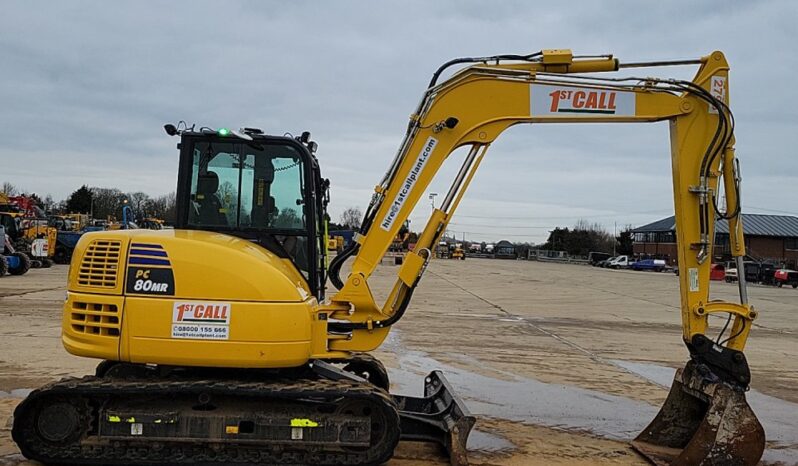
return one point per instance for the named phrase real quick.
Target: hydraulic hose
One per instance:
(460, 61)
(338, 262)
(344, 327)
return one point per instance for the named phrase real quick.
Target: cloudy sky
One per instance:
(85, 88)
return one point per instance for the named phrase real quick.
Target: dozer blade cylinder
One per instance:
(440, 417)
(703, 422)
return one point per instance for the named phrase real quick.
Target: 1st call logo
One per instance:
(145, 280)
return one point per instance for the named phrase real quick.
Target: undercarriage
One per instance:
(320, 414)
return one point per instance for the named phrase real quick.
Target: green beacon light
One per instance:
(223, 132)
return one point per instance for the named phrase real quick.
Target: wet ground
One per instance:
(563, 364)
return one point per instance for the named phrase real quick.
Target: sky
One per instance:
(86, 88)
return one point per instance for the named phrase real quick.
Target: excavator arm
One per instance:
(472, 108)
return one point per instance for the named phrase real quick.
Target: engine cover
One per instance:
(161, 297)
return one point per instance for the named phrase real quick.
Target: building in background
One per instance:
(504, 250)
(772, 238)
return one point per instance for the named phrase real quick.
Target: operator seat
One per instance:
(210, 210)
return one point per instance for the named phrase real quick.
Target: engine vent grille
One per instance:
(95, 319)
(100, 264)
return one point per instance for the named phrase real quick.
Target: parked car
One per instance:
(596, 258)
(786, 277)
(657, 265)
(619, 262)
(606, 262)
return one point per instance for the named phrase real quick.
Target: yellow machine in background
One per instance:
(335, 243)
(41, 239)
(222, 346)
(151, 223)
(69, 222)
(31, 236)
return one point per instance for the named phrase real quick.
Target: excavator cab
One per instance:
(265, 189)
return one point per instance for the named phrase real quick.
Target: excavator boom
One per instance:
(472, 108)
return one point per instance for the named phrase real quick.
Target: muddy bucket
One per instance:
(703, 422)
(440, 417)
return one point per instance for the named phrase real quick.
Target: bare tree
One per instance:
(351, 218)
(49, 203)
(138, 202)
(162, 207)
(9, 189)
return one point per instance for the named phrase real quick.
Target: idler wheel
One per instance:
(58, 423)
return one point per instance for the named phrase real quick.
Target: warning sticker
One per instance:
(693, 272)
(201, 320)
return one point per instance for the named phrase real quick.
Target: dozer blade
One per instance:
(703, 422)
(440, 417)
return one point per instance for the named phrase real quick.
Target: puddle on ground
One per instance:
(567, 407)
(527, 400)
(485, 442)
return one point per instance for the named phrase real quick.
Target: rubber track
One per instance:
(82, 390)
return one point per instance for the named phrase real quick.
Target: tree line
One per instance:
(585, 238)
(579, 240)
(102, 203)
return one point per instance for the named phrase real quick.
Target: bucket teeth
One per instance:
(702, 422)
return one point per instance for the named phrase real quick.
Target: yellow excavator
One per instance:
(220, 344)
(28, 229)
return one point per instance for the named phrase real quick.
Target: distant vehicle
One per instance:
(347, 235)
(767, 274)
(11, 261)
(619, 262)
(754, 272)
(335, 243)
(442, 251)
(657, 265)
(717, 272)
(595, 258)
(786, 277)
(606, 262)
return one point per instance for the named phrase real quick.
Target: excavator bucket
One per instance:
(703, 422)
(440, 416)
